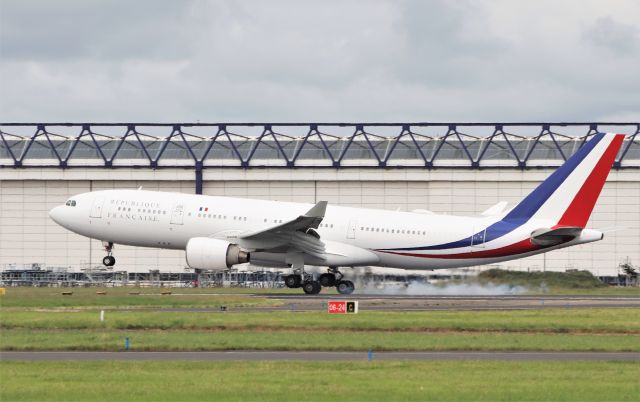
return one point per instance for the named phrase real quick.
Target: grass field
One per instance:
(560, 320)
(319, 381)
(43, 319)
(334, 340)
(606, 291)
(548, 330)
(123, 297)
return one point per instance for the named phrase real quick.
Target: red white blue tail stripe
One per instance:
(564, 199)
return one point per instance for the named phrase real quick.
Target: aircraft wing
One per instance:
(297, 233)
(310, 220)
(298, 237)
(552, 237)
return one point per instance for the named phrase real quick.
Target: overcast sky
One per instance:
(164, 61)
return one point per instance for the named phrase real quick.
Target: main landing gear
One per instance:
(109, 260)
(311, 286)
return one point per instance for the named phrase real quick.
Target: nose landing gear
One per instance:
(109, 260)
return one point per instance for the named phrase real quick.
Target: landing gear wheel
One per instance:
(311, 287)
(293, 281)
(345, 287)
(327, 280)
(109, 261)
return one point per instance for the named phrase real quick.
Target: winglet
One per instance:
(318, 210)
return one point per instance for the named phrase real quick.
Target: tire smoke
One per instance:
(416, 288)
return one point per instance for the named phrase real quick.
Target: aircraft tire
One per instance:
(109, 261)
(327, 280)
(345, 287)
(293, 281)
(311, 287)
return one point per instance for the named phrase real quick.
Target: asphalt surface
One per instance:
(322, 356)
(369, 302)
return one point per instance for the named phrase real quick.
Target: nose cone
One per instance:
(56, 214)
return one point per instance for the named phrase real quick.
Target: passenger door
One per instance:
(351, 229)
(477, 237)
(96, 208)
(177, 214)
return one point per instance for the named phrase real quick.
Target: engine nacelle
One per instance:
(214, 254)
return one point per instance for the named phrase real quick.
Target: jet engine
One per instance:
(214, 254)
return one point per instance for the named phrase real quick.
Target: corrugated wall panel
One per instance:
(28, 236)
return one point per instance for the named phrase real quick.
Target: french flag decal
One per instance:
(204, 209)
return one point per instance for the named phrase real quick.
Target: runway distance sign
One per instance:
(342, 307)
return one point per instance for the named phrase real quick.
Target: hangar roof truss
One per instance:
(333, 145)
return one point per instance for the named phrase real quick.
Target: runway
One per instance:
(322, 356)
(371, 302)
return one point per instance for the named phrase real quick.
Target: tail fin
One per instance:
(570, 193)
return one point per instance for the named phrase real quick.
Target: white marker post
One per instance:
(101, 315)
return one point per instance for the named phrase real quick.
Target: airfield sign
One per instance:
(342, 307)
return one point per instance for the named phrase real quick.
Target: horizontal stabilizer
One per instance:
(495, 210)
(422, 211)
(550, 237)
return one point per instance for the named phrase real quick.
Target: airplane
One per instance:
(220, 232)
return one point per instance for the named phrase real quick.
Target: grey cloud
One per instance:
(616, 37)
(108, 30)
(447, 44)
(302, 43)
(296, 61)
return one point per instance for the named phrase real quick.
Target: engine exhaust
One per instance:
(236, 255)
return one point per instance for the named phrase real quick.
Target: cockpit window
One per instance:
(71, 203)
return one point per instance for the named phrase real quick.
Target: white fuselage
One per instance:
(169, 220)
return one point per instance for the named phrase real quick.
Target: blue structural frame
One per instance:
(412, 145)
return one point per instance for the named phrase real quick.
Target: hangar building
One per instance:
(440, 167)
